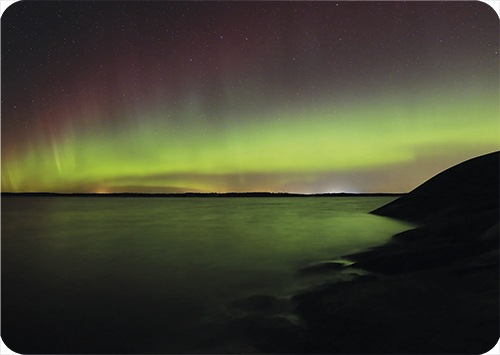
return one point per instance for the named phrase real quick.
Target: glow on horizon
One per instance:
(152, 155)
(165, 97)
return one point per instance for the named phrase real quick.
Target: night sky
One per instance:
(306, 97)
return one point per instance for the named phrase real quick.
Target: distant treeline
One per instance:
(195, 194)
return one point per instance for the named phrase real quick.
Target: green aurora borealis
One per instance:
(304, 97)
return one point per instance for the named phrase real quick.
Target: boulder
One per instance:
(465, 188)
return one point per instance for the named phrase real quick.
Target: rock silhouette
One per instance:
(433, 289)
(464, 188)
(456, 209)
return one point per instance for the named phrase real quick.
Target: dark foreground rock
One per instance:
(431, 290)
(443, 313)
(459, 213)
(465, 188)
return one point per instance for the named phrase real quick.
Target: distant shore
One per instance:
(201, 194)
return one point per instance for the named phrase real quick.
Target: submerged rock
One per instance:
(271, 334)
(325, 266)
(262, 304)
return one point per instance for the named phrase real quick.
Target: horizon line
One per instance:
(202, 194)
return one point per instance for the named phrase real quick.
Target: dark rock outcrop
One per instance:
(458, 210)
(465, 188)
(433, 289)
(435, 245)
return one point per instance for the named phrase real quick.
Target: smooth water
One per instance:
(132, 274)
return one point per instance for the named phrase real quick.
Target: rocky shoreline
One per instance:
(430, 290)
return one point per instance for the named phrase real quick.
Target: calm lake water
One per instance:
(156, 275)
